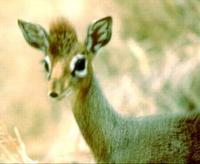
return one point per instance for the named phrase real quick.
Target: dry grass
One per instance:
(12, 149)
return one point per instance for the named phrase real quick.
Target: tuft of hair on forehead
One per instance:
(62, 37)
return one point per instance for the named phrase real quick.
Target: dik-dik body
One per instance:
(111, 137)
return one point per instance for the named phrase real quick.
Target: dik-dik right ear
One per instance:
(35, 35)
(99, 34)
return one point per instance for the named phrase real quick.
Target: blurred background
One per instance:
(151, 66)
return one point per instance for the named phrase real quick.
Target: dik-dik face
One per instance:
(66, 60)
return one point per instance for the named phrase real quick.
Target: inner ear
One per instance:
(98, 34)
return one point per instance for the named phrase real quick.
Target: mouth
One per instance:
(66, 92)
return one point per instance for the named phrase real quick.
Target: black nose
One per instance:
(53, 94)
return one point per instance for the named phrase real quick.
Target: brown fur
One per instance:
(62, 37)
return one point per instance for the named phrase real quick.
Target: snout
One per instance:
(54, 89)
(53, 94)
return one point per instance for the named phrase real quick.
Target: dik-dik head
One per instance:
(66, 60)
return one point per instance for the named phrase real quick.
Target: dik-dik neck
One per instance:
(96, 119)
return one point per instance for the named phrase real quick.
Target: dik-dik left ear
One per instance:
(35, 35)
(99, 34)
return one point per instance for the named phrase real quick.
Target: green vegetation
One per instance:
(160, 23)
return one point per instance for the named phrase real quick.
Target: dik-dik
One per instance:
(111, 137)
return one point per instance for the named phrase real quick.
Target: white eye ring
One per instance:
(81, 73)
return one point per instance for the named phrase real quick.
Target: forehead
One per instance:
(77, 48)
(62, 37)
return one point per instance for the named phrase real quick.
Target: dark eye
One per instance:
(80, 65)
(46, 66)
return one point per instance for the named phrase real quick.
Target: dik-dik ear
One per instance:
(99, 34)
(34, 34)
